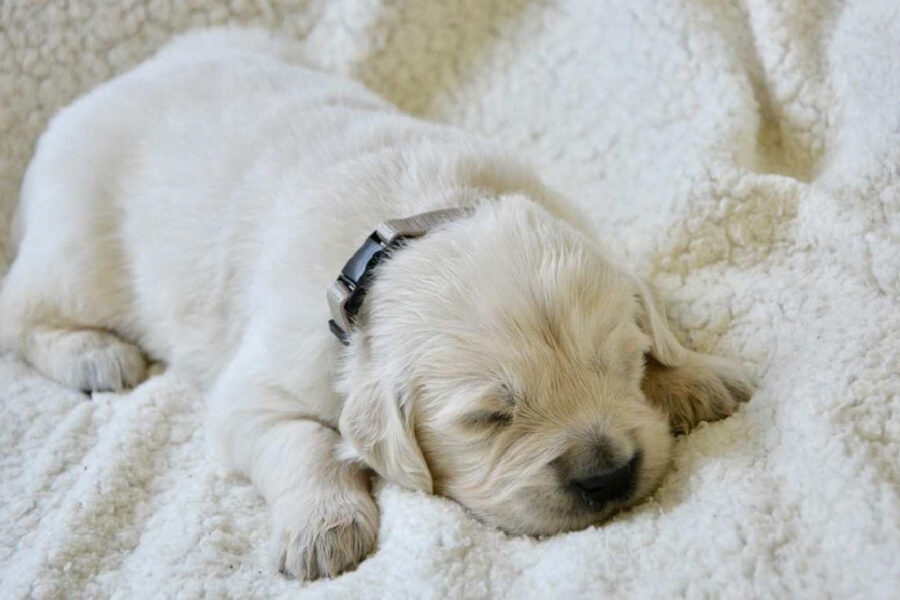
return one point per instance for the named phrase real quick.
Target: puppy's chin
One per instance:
(551, 512)
(554, 517)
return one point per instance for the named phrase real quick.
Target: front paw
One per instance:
(311, 541)
(708, 388)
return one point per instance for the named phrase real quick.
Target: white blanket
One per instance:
(745, 154)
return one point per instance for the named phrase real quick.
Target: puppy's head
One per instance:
(498, 361)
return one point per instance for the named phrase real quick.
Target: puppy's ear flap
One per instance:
(651, 318)
(689, 386)
(378, 424)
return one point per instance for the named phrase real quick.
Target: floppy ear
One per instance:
(378, 424)
(689, 386)
(651, 318)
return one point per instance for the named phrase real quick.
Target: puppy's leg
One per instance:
(691, 387)
(58, 313)
(69, 287)
(86, 359)
(324, 518)
(325, 521)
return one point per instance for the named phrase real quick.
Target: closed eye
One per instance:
(487, 418)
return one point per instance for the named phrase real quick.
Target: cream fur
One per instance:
(197, 208)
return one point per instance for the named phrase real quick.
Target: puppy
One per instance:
(195, 211)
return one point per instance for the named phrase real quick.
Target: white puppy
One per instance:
(195, 211)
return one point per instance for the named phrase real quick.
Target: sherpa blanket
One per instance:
(743, 154)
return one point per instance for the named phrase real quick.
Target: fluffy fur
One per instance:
(194, 211)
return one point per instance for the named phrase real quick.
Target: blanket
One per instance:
(742, 154)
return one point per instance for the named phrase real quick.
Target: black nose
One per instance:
(612, 484)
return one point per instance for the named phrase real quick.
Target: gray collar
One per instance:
(345, 295)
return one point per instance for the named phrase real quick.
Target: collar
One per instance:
(345, 295)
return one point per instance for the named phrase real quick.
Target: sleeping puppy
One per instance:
(195, 211)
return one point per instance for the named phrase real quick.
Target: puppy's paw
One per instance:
(323, 540)
(708, 388)
(90, 360)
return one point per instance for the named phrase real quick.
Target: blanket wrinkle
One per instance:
(745, 154)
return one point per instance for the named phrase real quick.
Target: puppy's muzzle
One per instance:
(609, 484)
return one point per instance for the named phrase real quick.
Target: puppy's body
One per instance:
(197, 208)
(214, 158)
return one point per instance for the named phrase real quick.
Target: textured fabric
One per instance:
(743, 154)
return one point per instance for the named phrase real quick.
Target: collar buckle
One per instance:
(345, 296)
